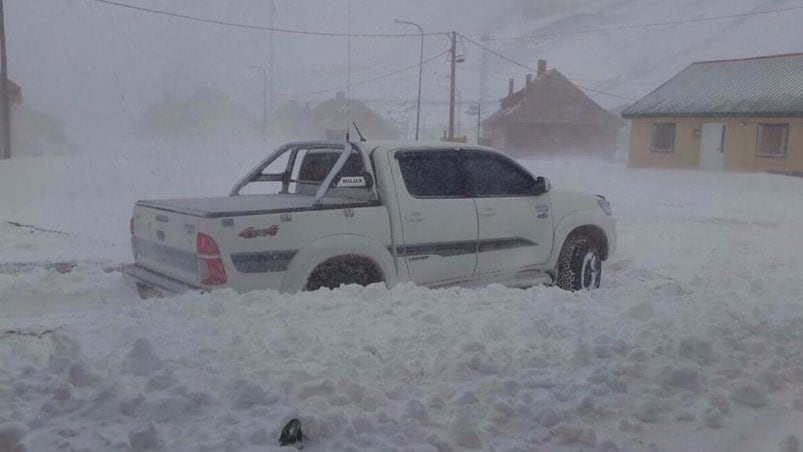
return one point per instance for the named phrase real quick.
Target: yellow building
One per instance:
(736, 115)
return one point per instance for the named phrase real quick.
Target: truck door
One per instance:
(438, 215)
(515, 225)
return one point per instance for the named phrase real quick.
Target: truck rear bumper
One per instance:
(149, 284)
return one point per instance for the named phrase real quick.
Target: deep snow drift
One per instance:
(695, 341)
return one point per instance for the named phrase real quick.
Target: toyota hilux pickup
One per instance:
(324, 214)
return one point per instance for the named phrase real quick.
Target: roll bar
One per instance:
(255, 175)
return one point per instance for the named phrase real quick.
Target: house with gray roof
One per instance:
(737, 115)
(551, 116)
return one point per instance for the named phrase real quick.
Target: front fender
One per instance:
(321, 250)
(578, 219)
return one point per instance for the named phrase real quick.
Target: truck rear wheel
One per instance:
(579, 264)
(344, 270)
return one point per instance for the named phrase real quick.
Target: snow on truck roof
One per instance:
(372, 146)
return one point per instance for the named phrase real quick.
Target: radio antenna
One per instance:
(362, 138)
(348, 75)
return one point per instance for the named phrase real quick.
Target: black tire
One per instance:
(343, 271)
(579, 264)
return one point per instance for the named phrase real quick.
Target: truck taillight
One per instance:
(210, 264)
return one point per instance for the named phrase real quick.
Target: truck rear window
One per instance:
(317, 165)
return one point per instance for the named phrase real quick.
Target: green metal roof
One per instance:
(770, 86)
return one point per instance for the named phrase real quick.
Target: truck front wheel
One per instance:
(344, 270)
(579, 264)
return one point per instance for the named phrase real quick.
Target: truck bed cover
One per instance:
(234, 206)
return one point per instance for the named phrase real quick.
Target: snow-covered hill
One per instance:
(623, 54)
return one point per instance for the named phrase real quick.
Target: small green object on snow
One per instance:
(291, 433)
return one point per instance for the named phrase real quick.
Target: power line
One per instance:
(259, 27)
(516, 63)
(497, 54)
(370, 80)
(590, 80)
(649, 25)
(596, 91)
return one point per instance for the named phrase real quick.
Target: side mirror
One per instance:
(542, 186)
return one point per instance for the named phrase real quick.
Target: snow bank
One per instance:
(646, 360)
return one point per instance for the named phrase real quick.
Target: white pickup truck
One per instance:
(437, 214)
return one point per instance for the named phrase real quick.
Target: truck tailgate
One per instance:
(165, 242)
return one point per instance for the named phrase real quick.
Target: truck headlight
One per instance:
(604, 205)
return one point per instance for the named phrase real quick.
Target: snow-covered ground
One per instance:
(695, 342)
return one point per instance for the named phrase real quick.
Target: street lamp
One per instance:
(420, 74)
(264, 101)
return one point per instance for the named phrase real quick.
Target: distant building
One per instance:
(292, 120)
(551, 116)
(208, 112)
(331, 116)
(738, 115)
(14, 92)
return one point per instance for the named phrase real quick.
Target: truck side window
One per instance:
(496, 176)
(433, 174)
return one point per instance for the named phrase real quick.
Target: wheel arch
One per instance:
(335, 246)
(580, 223)
(597, 234)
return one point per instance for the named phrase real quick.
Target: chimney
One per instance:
(541, 67)
(529, 80)
(510, 86)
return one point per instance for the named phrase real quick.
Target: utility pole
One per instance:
(453, 53)
(483, 86)
(420, 76)
(479, 121)
(4, 98)
(264, 103)
(272, 52)
(459, 113)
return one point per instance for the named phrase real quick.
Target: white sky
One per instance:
(91, 64)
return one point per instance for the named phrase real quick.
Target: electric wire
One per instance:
(516, 63)
(260, 27)
(366, 81)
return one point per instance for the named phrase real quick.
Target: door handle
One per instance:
(414, 217)
(487, 212)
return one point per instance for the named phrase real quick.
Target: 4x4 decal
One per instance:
(252, 233)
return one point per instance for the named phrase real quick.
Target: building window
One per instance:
(772, 140)
(663, 137)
